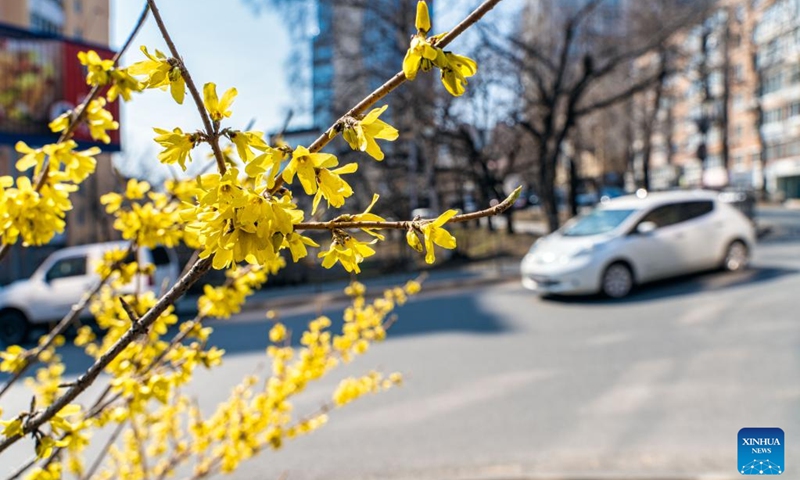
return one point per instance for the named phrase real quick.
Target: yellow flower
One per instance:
(161, 72)
(244, 141)
(421, 55)
(332, 187)
(269, 161)
(218, 108)
(136, 190)
(97, 118)
(277, 333)
(13, 359)
(122, 84)
(112, 201)
(297, 245)
(423, 20)
(456, 71)
(348, 251)
(366, 216)
(30, 157)
(98, 69)
(304, 164)
(177, 146)
(361, 134)
(79, 165)
(435, 234)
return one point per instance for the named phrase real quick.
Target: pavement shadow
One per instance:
(684, 285)
(420, 316)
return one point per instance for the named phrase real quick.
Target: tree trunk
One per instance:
(573, 186)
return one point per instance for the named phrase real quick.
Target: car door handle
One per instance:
(678, 236)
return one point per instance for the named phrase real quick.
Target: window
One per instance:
(664, 216)
(794, 109)
(67, 267)
(160, 256)
(692, 210)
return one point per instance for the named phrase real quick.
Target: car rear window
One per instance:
(691, 210)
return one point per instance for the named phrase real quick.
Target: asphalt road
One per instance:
(504, 385)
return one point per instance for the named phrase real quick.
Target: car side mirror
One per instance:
(646, 228)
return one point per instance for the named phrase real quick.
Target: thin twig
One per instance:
(407, 224)
(74, 313)
(102, 455)
(136, 330)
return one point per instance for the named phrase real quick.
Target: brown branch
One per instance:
(106, 447)
(33, 356)
(211, 130)
(405, 225)
(136, 330)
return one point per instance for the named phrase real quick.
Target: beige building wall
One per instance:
(15, 12)
(87, 20)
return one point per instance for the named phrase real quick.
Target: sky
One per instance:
(224, 42)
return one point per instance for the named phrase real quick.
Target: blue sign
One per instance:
(761, 451)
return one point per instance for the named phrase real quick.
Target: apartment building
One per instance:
(731, 116)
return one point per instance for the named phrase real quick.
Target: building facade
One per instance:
(38, 40)
(731, 117)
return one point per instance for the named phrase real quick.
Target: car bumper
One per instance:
(574, 278)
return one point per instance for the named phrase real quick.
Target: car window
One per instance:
(67, 267)
(692, 210)
(664, 215)
(160, 256)
(597, 222)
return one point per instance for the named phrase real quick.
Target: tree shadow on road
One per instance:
(420, 316)
(687, 285)
(456, 312)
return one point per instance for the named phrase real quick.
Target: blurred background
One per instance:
(577, 101)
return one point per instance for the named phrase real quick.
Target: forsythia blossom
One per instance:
(161, 72)
(361, 134)
(424, 54)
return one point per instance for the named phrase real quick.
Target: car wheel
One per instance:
(617, 280)
(736, 257)
(14, 327)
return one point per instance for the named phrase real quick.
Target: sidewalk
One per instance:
(438, 279)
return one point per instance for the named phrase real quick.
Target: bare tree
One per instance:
(581, 65)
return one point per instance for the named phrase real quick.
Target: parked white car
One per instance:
(636, 239)
(63, 278)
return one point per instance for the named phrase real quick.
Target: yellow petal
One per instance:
(423, 21)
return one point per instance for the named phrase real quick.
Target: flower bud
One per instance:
(423, 22)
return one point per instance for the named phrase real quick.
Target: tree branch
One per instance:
(405, 225)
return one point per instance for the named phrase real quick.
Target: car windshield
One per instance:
(597, 222)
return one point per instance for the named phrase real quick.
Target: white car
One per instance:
(635, 239)
(63, 278)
